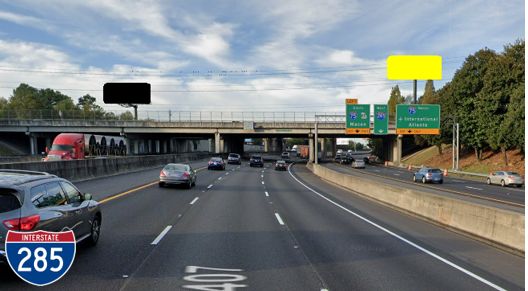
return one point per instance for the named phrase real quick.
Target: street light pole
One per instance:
(316, 144)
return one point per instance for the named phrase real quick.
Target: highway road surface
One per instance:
(510, 195)
(259, 229)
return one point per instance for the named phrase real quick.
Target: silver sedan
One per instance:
(505, 178)
(177, 174)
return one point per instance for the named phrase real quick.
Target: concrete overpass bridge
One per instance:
(168, 131)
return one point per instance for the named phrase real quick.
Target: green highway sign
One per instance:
(417, 119)
(357, 118)
(381, 119)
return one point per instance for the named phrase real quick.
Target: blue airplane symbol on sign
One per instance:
(380, 115)
(412, 110)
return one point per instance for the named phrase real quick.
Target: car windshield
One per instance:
(61, 147)
(177, 167)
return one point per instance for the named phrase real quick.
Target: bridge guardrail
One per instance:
(174, 116)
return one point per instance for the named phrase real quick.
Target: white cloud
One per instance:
(24, 20)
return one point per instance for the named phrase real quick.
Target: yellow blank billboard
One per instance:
(409, 67)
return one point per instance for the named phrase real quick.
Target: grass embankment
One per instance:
(491, 161)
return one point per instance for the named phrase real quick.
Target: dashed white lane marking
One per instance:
(219, 178)
(227, 173)
(377, 171)
(396, 174)
(262, 182)
(279, 219)
(161, 235)
(262, 176)
(267, 194)
(194, 200)
(446, 261)
(474, 188)
(209, 187)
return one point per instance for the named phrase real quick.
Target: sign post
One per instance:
(417, 119)
(381, 119)
(357, 118)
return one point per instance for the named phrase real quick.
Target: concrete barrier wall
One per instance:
(75, 170)
(492, 224)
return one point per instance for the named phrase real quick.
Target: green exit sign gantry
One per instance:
(417, 119)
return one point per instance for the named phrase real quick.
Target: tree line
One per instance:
(485, 96)
(28, 102)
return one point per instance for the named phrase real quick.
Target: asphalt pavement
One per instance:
(511, 198)
(260, 229)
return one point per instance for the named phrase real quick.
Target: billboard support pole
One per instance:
(415, 84)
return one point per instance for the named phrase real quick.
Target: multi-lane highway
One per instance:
(452, 185)
(259, 229)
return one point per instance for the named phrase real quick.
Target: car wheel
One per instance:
(194, 182)
(423, 180)
(488, 181)
(503, 184)
(189, 185)
(95, 231)
(161, 184)
(414, 178)
(441, 182)
(519, 186)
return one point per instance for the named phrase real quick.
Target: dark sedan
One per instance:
(256, 161)
(216, 163)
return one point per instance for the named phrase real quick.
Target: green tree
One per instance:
(467, 82)
(127, 115)
(24, 102)
(394, 99)
(89, 107)
(502, 82)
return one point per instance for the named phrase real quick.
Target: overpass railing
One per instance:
(174, 116)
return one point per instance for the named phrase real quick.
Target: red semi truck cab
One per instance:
(66, 146)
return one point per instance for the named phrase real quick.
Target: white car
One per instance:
(358, 164)
(505, 178)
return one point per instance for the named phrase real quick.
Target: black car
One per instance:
(281, 165)
(234, 159)
(32, 201)
(216, 163)
(256, 161)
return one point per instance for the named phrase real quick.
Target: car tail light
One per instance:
(210, 162)
(162, 173)
(23, 223)
(186, 175)
(429, 174)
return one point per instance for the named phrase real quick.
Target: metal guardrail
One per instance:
(175, 116)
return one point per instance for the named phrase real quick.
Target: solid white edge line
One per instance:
(279, 219)
(267, 194)
(467, 272)
(161, 235)
(194, 200)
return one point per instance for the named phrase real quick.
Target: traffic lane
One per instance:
(456, 184)
(103, 187)
(409, 184)
(352, 254)
(231, 226)
(129, 225)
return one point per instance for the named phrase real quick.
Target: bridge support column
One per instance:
(311, 146)
(397, 150)
(217, 143)
(211, 145)
(266, 142)
(333, 143)
(323, 150)
(33, 144)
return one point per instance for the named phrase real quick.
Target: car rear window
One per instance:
(176, 167)
(512, 173)
(233, 155)
(255, 157)
(436, 171)
(8, 200)
(216, 159)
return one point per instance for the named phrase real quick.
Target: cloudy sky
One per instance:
(271, 55)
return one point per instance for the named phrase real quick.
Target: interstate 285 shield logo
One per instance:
(40, 257)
